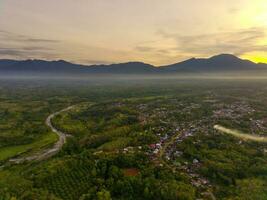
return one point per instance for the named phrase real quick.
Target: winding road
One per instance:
(47, 153)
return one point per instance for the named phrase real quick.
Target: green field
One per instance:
(43, 142)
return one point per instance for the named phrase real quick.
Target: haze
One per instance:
(153, 31)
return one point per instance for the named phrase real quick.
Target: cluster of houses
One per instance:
(238, 110)
(195, 178)
(156, 147)
(233, 111)
(132, 149)
(258, 126)
(166, 125)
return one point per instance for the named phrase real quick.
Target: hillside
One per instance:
(219, 63)
(223, 62)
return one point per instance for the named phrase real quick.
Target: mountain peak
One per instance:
(225, 57)
(221, 62)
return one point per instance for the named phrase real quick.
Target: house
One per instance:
(195, 161)
(153, 146)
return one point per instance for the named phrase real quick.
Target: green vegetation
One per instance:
(41, 143)
(140, 140)
(23, 111)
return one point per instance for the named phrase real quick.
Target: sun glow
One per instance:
(257, 57)
(151, 31)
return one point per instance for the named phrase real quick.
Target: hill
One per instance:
(62, 67)
(219, 63)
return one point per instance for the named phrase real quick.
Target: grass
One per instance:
(119, 143)
(46, 140)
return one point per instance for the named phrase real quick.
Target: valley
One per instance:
(133, 100)
(138, 140)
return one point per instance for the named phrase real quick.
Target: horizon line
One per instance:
(107, 64)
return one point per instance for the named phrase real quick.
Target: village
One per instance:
(176, 122)
(171, 134)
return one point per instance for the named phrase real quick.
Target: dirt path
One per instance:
(47, 153)
(240, 135)
(162, 151)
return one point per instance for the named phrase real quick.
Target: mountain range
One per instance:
(218, 63)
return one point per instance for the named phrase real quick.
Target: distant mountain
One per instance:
(219, 63)
(6, 63)
(222, 62)
(63, 67)
(125, 68)
(38, 66)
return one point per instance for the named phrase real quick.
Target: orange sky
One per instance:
(153, 31)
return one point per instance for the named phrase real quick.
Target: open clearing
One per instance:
(12, 151)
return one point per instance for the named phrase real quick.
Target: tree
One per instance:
(103, 195)
(251, 189)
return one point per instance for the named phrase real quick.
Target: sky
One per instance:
(158, 32)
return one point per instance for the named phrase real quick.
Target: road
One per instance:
(207, 193)
(47, 153)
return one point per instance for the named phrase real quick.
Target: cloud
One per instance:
(144, 48)
(25, 53)
(236, 42)
(95, 62)
(13, 37)
(233, 10)
(173, 47)
(36, 48)
(4, 32)
(10, 52)
(23, 47)
(34, 40)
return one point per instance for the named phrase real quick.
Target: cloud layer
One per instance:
(18, 46)
(153, 31)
